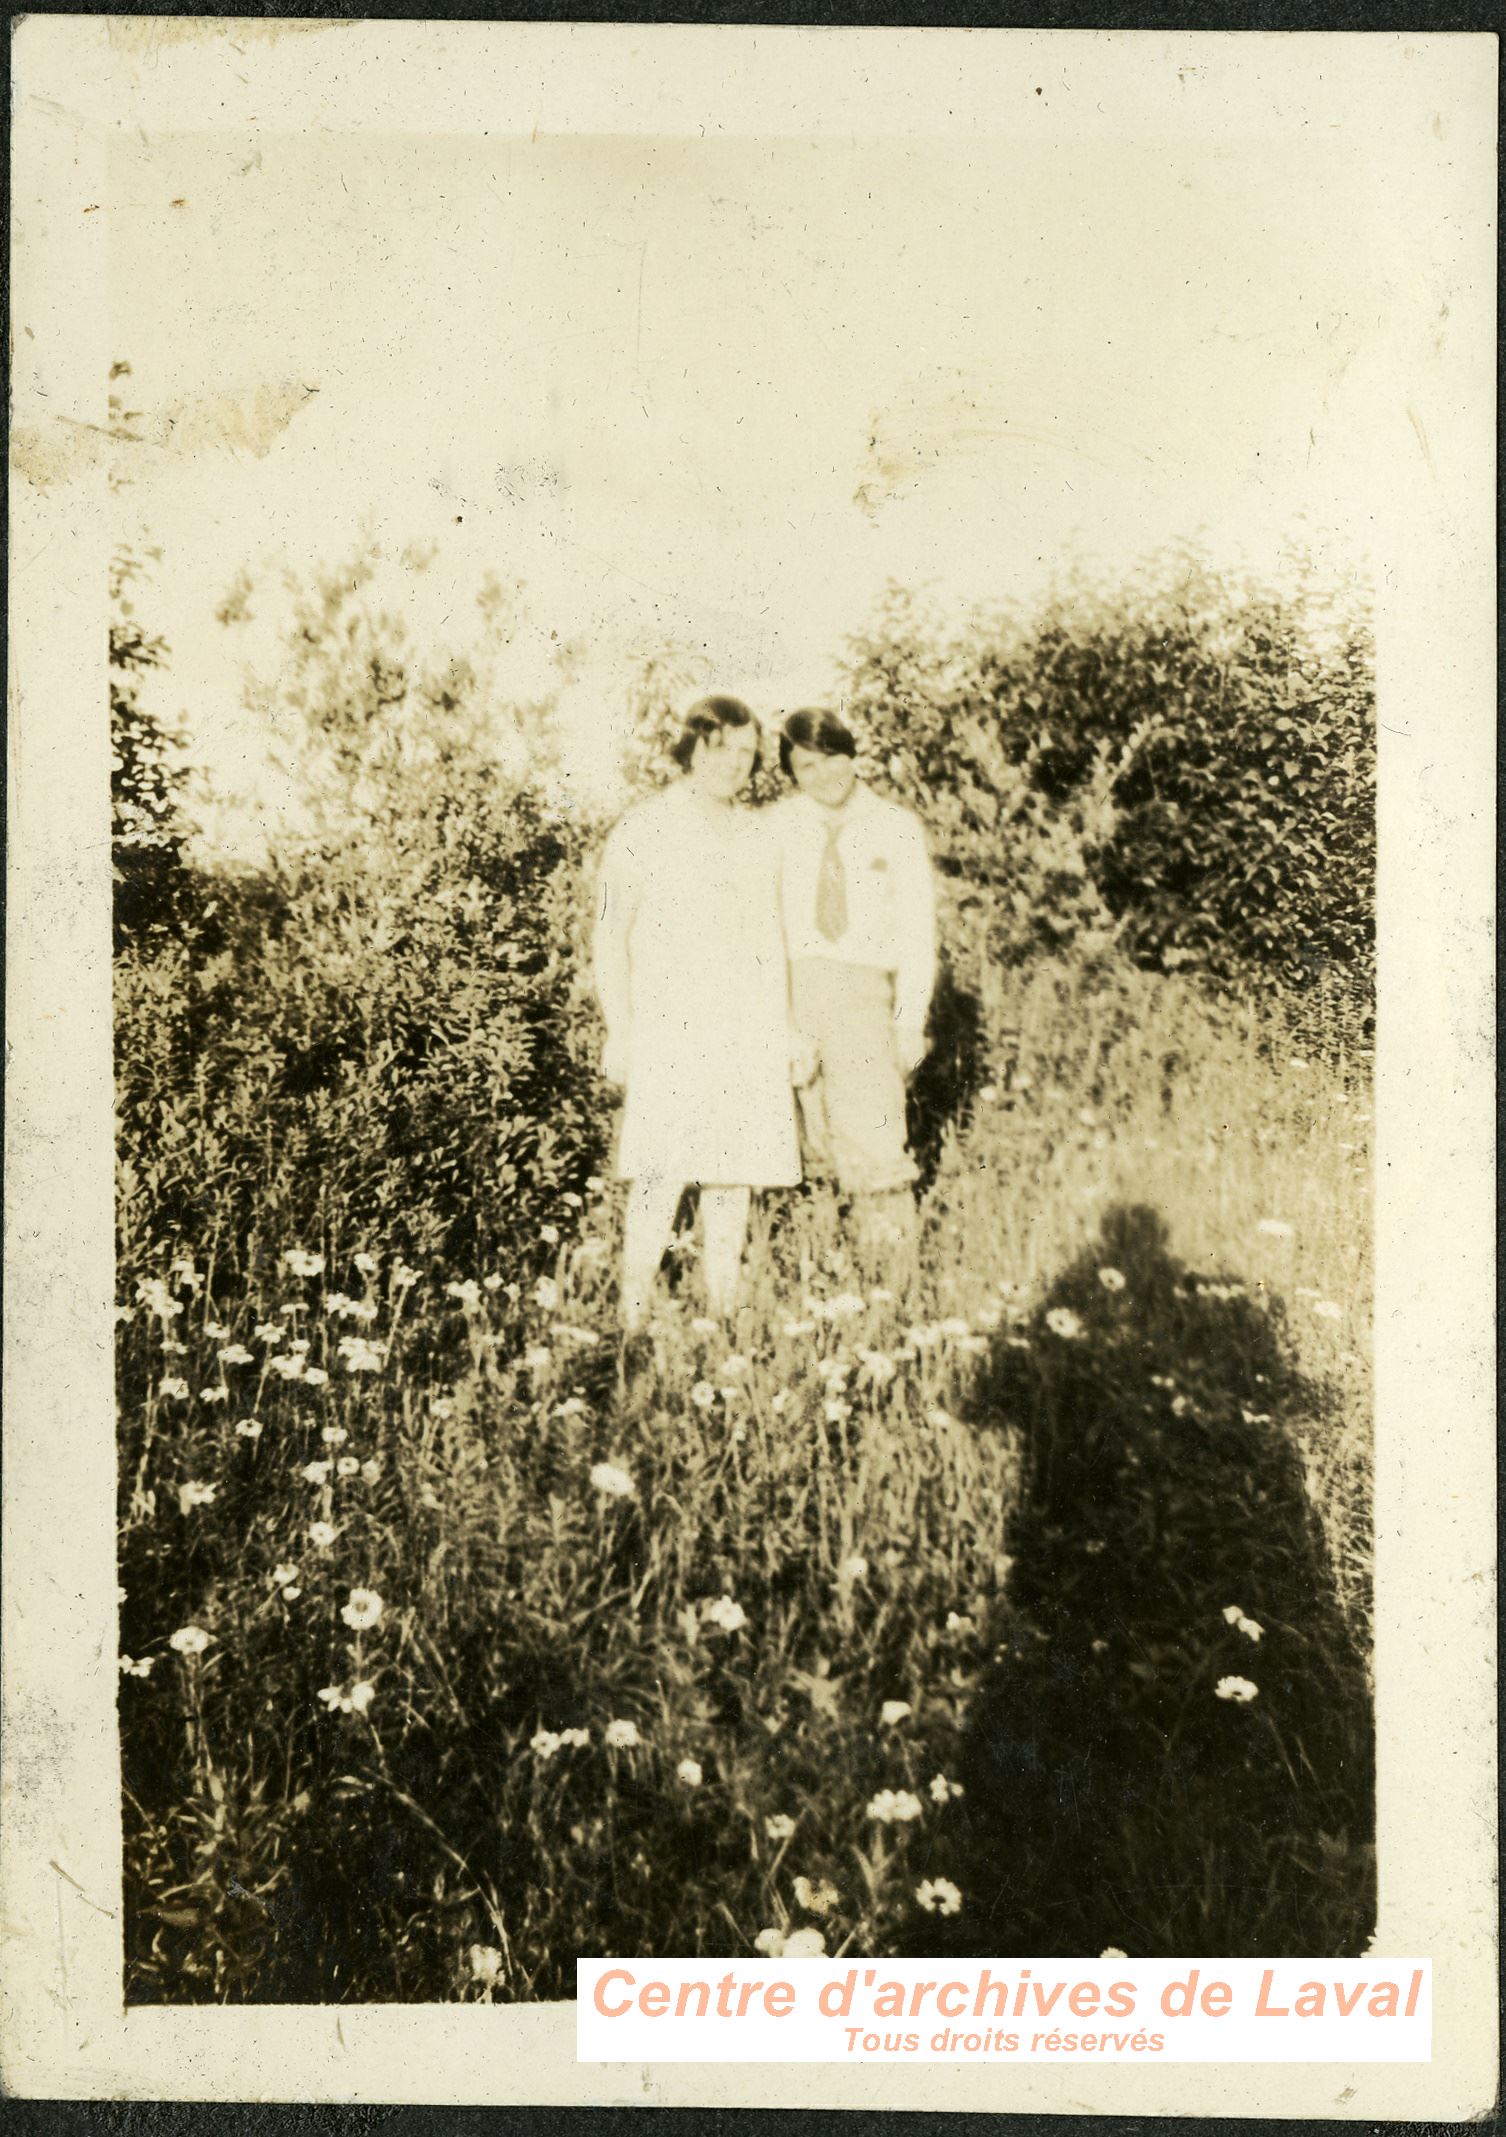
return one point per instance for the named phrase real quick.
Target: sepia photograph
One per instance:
(743, 787)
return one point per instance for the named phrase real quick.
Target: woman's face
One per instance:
(723, 768)
(827, 780)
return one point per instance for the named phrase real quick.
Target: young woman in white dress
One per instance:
(691, 975)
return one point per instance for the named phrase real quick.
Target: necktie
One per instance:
(831, 889)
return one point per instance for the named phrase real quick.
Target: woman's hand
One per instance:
(910, 1047)
(804, 1058)
(614, 1060)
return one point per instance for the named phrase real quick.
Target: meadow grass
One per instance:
(450, 1655)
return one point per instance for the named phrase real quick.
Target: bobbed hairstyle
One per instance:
(814, 729)
(707, 721)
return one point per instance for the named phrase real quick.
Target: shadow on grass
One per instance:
(1113, 1798)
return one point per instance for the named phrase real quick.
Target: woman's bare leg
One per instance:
(651, 1208)
(724, 1220)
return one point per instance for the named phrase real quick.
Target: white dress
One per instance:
(690, 970)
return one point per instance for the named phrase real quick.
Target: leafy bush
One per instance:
(383, 1025)
(1185, 763)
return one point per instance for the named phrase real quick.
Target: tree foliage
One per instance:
(1184, 765)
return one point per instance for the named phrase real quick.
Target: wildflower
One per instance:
(1062, 1321)
(941, 1790)
(938, 1419)
(291, 1593)
(370, 1471)
(191, 1495)
(800, 1328)
(321, 1534)
(143, 1668)
(595, 1184)
(1112, 1951)
(403, 1278)
(621, 1736)
(572, 1201)
(334, 1435)
(816, 1898)
(361, 1356)
(780, 1827)
(804, 1944)
(770, 1942)
(363, 1610)
(611, 1482)
(315, 1376)
(846, 1306)
(175, 1390)
(959, 1627)
(894, 1806)
(235, 1354)
(550, 1234)
(1251, 1628)
(725, 1614)
(184, 1273)
(366, 1263)
(938, 1895)
(347, 1466)
(955, 1328)
(572, 1406)
(442, 1407)
(189, 1640)
(703, 1395)
(1111, 1279)
(546, 1293)
(893, 1712)
(923, 1338)
(214, 1394)
(989, 1093)
(689, 1772)
(544, 1744)
(577, 1739)
(493, 1282)
(361, 1695)
(249, 1428)
(836, 1410)
(355, 1701)
(485, 1963)
(878, 1366)
(1238, 1689)
(833, 1372)
(779, 1401)
(268, 1331)
(287, 1368)
(538, 1359)
(336, 1304)
(853, 1568)
(282, 1574)
(468, 1293)
(734, 1366)
(702, 1326)
(316, 1472)
(303, 1264)
(1326, 1310)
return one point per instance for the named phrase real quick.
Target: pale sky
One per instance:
(722, 390)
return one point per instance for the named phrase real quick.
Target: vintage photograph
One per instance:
(743, 815)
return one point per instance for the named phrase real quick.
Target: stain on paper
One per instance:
(248, 421)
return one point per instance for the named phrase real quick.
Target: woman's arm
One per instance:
(611, 960)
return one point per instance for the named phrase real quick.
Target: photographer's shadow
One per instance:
(1171, 1751)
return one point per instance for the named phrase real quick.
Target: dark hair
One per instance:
(707, 721)
(817, 730)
